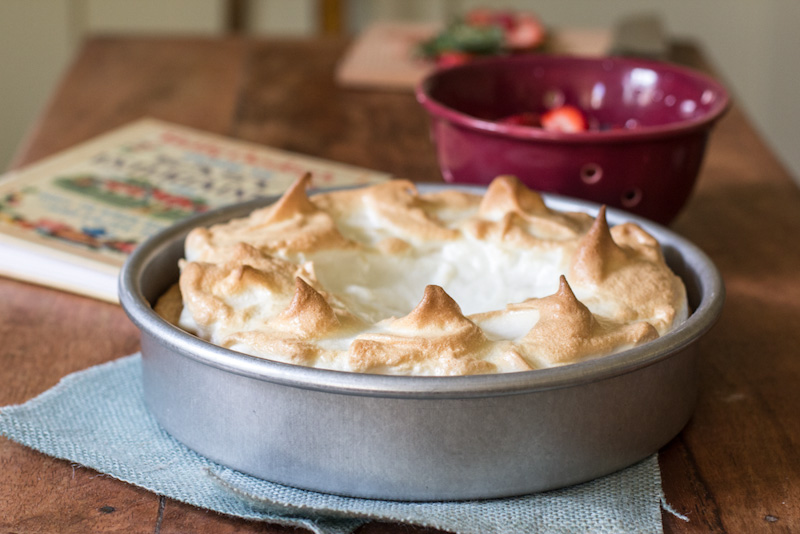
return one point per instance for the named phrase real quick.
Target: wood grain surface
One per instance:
(735, 467)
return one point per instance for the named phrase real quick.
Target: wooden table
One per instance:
(735, 468)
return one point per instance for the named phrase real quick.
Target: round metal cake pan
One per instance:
(418, 438)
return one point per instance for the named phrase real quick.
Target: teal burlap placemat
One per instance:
(97, 418)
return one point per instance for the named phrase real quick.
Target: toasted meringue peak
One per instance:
(227, 296)
(513, 214)
(308, 313)
(198, 295)
(334, 281)
(290, 227)
(397, 204)
(597, 252)
(507, 194)
(293, 203)
(563, 312)
(632, 237)
(567, 331)
(436, 310)
(434, 339)
(628, 280)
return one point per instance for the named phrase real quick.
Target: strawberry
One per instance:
(451, 58)
(505, 19)
(526, 33)
(567, 119)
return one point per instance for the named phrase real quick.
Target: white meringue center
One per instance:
(479, 276)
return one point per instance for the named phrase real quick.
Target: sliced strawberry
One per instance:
(564, 119)
(451, 58)
(526, 33)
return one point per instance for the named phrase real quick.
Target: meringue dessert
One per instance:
(385, 279)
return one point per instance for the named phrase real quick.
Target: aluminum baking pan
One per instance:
(418, 438)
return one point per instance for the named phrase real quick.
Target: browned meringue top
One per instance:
(384, 279)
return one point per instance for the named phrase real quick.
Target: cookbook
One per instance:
(70, 220)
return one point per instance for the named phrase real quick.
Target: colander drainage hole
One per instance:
(631, 197)
(591, 173)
